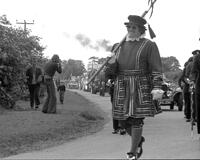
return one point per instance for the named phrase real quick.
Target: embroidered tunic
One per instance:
(139, 71)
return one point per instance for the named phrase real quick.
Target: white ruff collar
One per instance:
(134, 39)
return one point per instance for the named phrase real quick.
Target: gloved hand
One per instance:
(157, 93)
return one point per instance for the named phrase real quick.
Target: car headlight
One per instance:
(169, 93)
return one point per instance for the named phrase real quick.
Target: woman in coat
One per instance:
(50, 68)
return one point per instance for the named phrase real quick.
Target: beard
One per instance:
(134, 35)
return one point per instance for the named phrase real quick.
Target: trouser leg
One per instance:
(52, 99)
(194, 107)
(46, 103)
(31, 91)
(187, 105)
(115, 124)
(197, 98)
(61, 96)
(36, 94)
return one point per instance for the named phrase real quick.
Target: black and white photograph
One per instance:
(99, 79)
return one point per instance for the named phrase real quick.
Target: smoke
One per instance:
(66, 34)
(86, 42)
(104, 44)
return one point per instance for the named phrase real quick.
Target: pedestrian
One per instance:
(116, 125)
(138, 71)
(34, 79)
(190, 80)
(102, 88)
(196, 72)
(183, 83)
(185, 90)
(111, 79)
(49, 70)
(61, 89)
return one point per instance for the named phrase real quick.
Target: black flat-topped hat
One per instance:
(134, 19)
(196, 52)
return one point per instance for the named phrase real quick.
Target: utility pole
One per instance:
(24, 23)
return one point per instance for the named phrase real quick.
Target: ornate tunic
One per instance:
(139, 71)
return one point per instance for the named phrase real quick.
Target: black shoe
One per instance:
(122, 131)
(187, 120)
(139, 149)
(44, 111)
(193, 123)
(115, 131)
(131, 156)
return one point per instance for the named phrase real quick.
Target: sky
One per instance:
(58, 22)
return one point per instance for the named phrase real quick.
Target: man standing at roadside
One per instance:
(196, 72)
(34, 78)
(189, 76)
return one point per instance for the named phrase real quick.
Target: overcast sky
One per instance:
(58, 22)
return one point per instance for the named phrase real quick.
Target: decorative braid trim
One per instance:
(139, 53)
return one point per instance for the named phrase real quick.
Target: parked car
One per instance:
(172, 96)
(73, 85)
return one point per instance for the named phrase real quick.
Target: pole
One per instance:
(24, 23)
(117, 47)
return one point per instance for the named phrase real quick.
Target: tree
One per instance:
(17, 48)
(93, 63)
(170, 64)
(173, 76)
(171, 68)
(94, 59)
(72, 67)
(101, 60)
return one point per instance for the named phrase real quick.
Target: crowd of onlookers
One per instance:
(189, 82)
(37, 77)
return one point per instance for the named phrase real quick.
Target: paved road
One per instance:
(167, 136)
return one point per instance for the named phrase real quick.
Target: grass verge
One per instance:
(23, 129)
